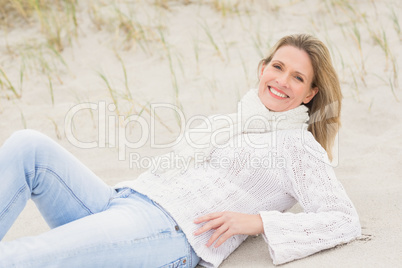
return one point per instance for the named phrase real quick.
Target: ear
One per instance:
(310, 95)
(262, 71)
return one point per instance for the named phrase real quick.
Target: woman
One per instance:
(246, 170)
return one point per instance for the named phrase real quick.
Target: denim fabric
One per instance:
(93, 225)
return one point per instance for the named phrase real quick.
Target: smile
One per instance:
(277, 93)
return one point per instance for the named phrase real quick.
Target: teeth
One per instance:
(277, 93)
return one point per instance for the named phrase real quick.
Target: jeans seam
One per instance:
(65, 185)
(167, 214)
(190, 259)
(94, 247)
(12, 202)
(175, 264)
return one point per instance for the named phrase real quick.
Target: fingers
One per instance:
(221, 222)
(208, 217)
(212, 224)
(216, 234)
(223, 238)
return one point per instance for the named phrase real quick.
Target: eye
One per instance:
(276, 66)
(299, 78)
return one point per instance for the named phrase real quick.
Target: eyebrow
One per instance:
(305, 77)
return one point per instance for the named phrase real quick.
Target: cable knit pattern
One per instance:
(292, 168)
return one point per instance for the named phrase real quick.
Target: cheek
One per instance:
(262, 82)
(266, 75)
(301, 92)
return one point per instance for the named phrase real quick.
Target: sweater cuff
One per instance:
(273, 237)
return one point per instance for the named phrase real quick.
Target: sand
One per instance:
(208, 61)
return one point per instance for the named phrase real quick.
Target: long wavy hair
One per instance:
(325, 107)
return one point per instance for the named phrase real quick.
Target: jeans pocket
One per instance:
(181, 262)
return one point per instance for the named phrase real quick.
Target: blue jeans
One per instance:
(93, 225)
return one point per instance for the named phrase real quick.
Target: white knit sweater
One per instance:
(268, 181)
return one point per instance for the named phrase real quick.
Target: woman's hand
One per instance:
(227, 224)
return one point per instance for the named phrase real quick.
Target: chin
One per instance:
(272, 108)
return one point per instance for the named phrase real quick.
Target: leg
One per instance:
(132, 232)
(34, 166)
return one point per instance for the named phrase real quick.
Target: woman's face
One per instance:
(285, 82)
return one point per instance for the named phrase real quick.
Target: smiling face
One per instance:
(285, 82)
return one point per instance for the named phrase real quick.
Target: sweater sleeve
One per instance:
(329, 217)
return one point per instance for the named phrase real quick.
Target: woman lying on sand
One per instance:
(170, 217)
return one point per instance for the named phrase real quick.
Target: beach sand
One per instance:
(202, 56)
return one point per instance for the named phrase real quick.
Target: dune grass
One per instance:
(57, 18)
(5, 83)
(142, 28)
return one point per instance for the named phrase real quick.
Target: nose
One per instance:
(283, 80)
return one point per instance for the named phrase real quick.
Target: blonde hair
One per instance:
(325, 107)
